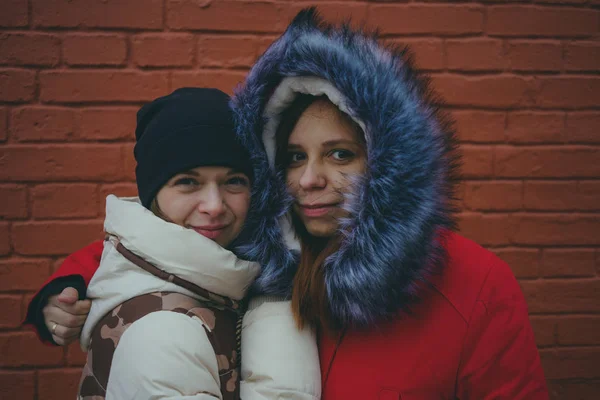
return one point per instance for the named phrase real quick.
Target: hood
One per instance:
(399, 213)
(176, 250)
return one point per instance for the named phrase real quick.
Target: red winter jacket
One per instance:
(469, 337)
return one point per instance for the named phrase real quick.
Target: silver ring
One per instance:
(53, 330)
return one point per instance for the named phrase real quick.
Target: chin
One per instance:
(321, 229)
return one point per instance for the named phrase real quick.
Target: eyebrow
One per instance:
(329, 143)
(232, 171)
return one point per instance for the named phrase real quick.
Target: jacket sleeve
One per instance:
(76, 271)
(278, 360)
(500, 359)
(164, 355)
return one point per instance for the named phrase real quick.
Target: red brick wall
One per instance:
(521, 80)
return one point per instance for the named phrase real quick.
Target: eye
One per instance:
(185, 181)
(341, 154)
(238, 181)
(295, 157)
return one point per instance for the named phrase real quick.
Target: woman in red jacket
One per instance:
(405, 307)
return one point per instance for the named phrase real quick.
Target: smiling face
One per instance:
(325, 150)
(213, 201)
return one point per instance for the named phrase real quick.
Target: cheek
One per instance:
(292, 179)
(239, 205)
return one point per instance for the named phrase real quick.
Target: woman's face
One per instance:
(213, 201)
(324, 152)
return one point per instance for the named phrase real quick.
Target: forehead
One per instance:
(322, 121)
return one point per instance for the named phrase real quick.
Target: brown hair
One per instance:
(310, 303)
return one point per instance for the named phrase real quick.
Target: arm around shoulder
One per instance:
(278, 359)
(499, 357)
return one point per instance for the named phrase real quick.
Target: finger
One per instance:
(64, 318)
(68, 295)
(66, 333)
(81, 307)
(63, 341)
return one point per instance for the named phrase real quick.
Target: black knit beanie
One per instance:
(189, 128)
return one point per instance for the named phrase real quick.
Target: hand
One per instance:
(64, 315)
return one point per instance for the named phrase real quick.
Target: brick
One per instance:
(107, 123)
(525, 263)
(571, 363)
(502, 91)
(568, 92)
(547, 162)
(75, 356)
(47, 124)
(565, 263)
(118, 189)
(493, 196)
(562, 296)
(527, 55)
(54, 237)
(438, 19)
(588, 195)
(13, 202)
(24, 349)
(59, 163)
(229, 50)
(163, 50)
(355, 13)
(17, 85)
(94, 49)
(4, 238)
(479, 126)
(486, 229)
(127, 14)
(242, 16)
(15, 13)
(11, 311)
(29, 49)
(18, 384)
(3, 124)
(560, 1)
(479, 54)
(544, 329)
(102, 86)
(583, 127)
(477, 161)
(428, 53)
(223, 80)
(129, 162)
(77, 200)
(520, 20)
(58, 384)
(579, 330)
(23, 274)
(556, 229)
(535, 127)
(582, 56)
(560, 195)
(577, 389)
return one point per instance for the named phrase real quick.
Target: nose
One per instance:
(211, 201)
(312, 177)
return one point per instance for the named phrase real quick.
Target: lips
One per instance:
(316, 210)
(210, 231)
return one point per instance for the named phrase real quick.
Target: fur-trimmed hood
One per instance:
(393, 239)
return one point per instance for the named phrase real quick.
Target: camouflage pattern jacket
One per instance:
(168, 332)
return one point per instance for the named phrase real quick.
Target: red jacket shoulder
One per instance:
(470, 273)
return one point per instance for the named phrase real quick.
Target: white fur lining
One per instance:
(282, 98)
(285, 94)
